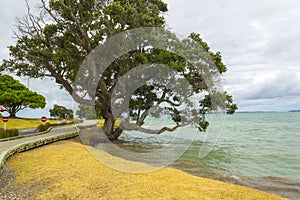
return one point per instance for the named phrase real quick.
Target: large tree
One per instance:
(57, 41)
(61, 112)
(15, 96)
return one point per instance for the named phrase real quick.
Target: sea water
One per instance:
(259, 150)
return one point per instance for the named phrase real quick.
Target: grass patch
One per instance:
(24, 123)
(117, 122)
(66, 170)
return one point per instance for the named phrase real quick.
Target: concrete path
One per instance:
(27, 131)
(8, 148)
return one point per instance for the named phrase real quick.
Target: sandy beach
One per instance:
(66, 170)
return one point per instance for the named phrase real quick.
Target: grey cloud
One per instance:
(270, 86)
(259, 41)
(239, 27)
(280, 86)
(276, 104)
(9, 12)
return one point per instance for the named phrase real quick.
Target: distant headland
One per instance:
(294, 111)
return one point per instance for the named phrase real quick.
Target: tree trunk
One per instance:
(108, 128)
(12, 113)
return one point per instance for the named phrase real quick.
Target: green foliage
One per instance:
(218, 101)
(216, 57)
(74, 28)
(87, 112)
(8, 133)
(15, 96)
(61, 112)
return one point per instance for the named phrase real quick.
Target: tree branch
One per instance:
(60, 80)
(171, 102)
(51, 14)
(34, 22)
(134, 127)
(86, 42)
(147, 111)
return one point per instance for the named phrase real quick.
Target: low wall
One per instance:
(33, 144)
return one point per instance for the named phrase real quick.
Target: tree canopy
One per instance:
(57, 42)
(15, 96)
(61, 112)
(87, 112)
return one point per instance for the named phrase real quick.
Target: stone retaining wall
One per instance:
(34, 144)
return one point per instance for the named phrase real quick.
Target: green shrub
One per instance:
(8, 133)
(43, 127)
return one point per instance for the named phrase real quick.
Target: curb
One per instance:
(25, 136)
(33, 144)
(40, 142)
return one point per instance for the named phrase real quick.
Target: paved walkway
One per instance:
(27, 131)
(11, 147)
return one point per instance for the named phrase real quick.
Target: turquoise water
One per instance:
(263, 144)
(259, 150)
(255, 145)
(251, 144)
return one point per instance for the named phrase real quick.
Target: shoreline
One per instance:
(84, 177)
(284, 187)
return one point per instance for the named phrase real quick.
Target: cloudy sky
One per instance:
(259, 42)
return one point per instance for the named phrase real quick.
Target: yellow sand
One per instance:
(66, 170)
